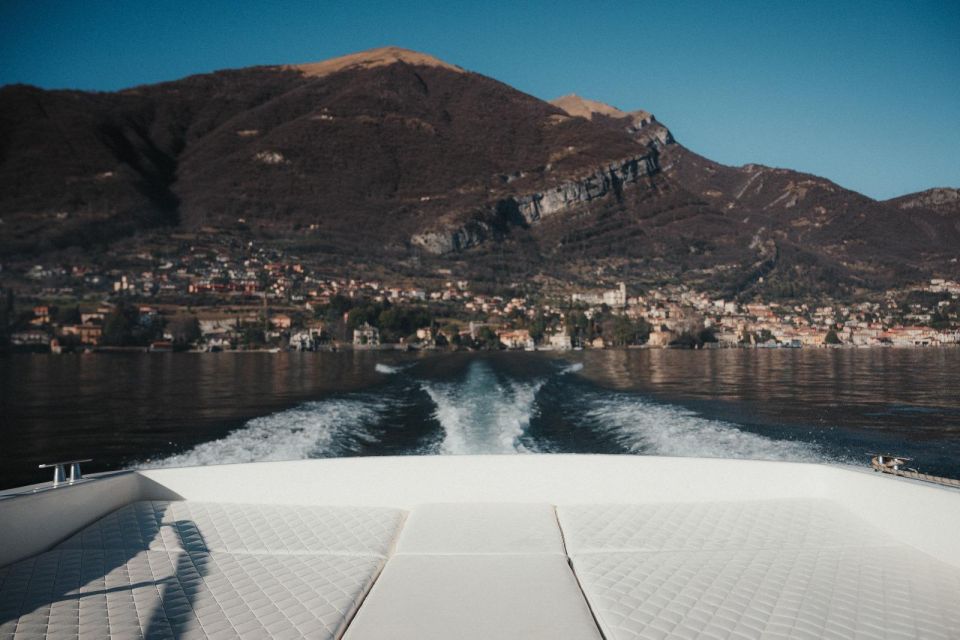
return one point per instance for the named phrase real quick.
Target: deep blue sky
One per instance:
(866, 94)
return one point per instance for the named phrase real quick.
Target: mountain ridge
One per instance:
(390, 155)
(370, 58)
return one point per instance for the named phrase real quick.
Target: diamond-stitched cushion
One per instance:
(242, 528)
(158, 594)
(801, 568)
(762, 524)
(882, 592)
(188, 569)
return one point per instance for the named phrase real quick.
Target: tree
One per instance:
(119, 326)
(366, 312)
(67, 315)
(252, 336)
(185, 329)
(626, 331)
(6, 314)
(832, 338)
(707, 335)
(940, 319)
(397, 322)
(578, 325)
(537, 328)
(765, 336)
(452, 332)
(694, 339)
(685, 340)
(487, 339)
(339, 305)
(124, 326)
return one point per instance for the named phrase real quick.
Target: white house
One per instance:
(559, 340)
(366, 335)
(516, 339)
(302, 341)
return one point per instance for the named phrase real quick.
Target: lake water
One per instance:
(179, 409)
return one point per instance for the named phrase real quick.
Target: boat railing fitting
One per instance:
(59, 475)
(888, 461)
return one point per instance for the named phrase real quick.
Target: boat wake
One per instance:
(390, 369)
(486, 411)
(572, 368)
(328, 428)
(481, 414)
(644, 427)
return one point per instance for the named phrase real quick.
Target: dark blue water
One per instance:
(181, 409)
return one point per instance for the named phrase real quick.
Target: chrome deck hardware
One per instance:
(59, 477)
(887, 461)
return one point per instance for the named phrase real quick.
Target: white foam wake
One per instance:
(480, 414)
(388, 369)
(572, 368)
(655, 429)
(312, 430)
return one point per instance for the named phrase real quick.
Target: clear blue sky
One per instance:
(864, 93)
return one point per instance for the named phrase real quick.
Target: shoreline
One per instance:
(401, 348)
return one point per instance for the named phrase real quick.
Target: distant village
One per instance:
(208, 300)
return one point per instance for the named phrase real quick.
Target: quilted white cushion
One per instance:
(481, 528)
(187, 569)
(424, 597)
(765, 524)
(880, 592)
(242, 528)
(762, 569)
(134, 594)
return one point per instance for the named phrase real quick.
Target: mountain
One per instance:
(817, 235)
(397, 159)
(945, 201)
(389, 140)
(852, 237)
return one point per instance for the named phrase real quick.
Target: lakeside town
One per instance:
(261, 299)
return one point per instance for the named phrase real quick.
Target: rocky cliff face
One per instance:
(607, 181)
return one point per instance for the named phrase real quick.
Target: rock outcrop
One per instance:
(642, 125)
(609, 180)
(463, 237)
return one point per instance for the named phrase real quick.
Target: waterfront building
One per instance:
(516, 339)
(366, 335)
(616, 297)
(559, 340)
(29, 338)
(660, 337)
(302, 341)
(281, 321)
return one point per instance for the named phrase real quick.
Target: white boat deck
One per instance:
(796, 568)
(196, 570)
(757, 567)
